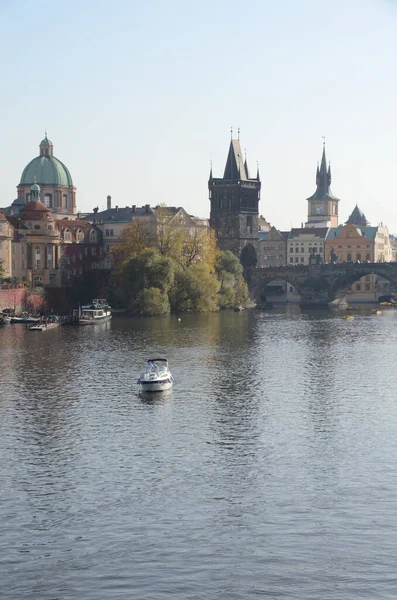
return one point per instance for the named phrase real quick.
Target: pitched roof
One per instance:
(357, 218)
(235, 168)
(119, 215)
(318, 232)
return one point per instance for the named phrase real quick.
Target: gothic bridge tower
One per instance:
(234, 210)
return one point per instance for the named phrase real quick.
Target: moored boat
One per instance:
(5, 319)
(156, 377)
(96, 312)
(46, 324)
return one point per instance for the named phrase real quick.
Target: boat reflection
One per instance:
(155, 397)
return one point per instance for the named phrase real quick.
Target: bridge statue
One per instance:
(319, 284)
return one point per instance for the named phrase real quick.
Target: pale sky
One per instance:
(138, 97)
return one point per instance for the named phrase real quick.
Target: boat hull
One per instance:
(155, 386)
(43, 327)
(94, 321)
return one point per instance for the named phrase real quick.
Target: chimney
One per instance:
(109, 202)
(117, 209)
(133, 208)
(147, 206)
(96, 210)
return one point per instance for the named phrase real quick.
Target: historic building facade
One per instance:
(6, 235)
(234, 207)
(57, 191)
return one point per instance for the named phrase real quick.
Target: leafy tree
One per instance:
(147, 269)
(195, 289)
(233, 288)
(154, 301)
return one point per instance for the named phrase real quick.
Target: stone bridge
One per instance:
(318, 284)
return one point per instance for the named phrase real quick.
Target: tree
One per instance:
(154, 301)
(195, 289)
(233, 288)
(144, 270)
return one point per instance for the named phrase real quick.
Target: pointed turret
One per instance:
(323, 205)
(257, 172)
(234, 169)
(246, 166)
(210, 177)
(357, 218)
(323, 181)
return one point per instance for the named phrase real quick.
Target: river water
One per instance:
(269, 471)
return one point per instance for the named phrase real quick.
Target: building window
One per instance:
(64, 201)
(93, 237)
(37, 257)
(296, 259)
(36, 279)
(49, 257)
(108, 247)
(66, 235)
(358, 256)
(291, 260)
(48, 200)
(368, 257)
(249, 226)
(80, 236)
(302, 259)
(27, 198)
(367, 287)
(358, 287)
(23, 264)
(296, 249)
(291, 249)
(349, 257)
(302, 249)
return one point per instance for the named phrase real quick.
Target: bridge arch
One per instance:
(319, 284)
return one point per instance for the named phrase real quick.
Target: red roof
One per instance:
(34, 210)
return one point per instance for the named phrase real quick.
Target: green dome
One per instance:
(46, 142)
(47, 170)
(35, 188)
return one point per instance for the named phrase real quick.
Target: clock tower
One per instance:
(323, 206)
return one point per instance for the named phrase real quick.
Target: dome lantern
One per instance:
(46, 147)
(35, 192)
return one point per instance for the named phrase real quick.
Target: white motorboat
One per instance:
(46, 324)
(5, 319)
(156, 377)
(96, 312)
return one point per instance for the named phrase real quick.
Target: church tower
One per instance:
(323, 206)
(234, 206)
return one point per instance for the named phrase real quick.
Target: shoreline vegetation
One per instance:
(173, 271)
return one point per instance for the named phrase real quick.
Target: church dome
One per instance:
(46, 169)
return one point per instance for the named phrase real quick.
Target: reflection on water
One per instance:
(267, 471)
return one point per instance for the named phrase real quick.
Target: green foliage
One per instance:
(233, 289)
(144, 271)
(227, 262)
(196, 289)
(153, 301)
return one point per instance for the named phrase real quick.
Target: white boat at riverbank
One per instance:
(96, 312)
(46, 325)
(156, 377)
